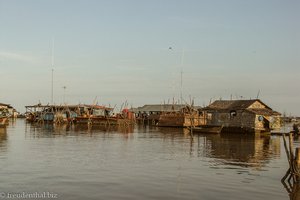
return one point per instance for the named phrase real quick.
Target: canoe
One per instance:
(207, 129)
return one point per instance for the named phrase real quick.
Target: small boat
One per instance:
(206, 129)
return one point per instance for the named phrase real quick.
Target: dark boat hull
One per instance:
(207, 129)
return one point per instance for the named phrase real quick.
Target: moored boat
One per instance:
(207, 129)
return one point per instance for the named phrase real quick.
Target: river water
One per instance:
(138, 163)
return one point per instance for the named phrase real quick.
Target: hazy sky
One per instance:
(119, 50)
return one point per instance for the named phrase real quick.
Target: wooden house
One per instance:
(241, 115)
(171, 115)
(150, 113)
(80, 114)
(93, 114)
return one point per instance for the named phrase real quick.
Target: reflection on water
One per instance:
(293, 190)
(141, 162)
(50, 130)
(230, 149)
(3, 138)
(243, 150)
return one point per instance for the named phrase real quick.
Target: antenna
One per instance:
(52, 56)
(258, 93)
(95, 99)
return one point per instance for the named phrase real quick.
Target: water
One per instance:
(141, 163)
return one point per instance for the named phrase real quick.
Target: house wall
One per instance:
(193, 120)
(275, 121)
(242, 119)
(179, 119)
(248, 120)
(259, 125)
(171, 119)
(98, 112)
(257, 104)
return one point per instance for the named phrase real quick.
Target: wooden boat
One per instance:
(207, 129)
(104, 118)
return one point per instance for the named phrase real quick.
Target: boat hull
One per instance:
(207, 129)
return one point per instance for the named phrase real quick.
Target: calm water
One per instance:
(142, 163)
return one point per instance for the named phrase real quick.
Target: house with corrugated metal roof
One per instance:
(242, 115)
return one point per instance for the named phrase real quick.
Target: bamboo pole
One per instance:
(293, 160)
(297, 158)
(291, 146)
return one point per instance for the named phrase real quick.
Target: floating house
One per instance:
(150, 113)
(51, 113)
(8, 109)
(81, 114)
(93, 114)
(241, 115)
(171, 115)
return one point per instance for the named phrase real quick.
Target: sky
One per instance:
(139, 52)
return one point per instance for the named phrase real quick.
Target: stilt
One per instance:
(293, 172)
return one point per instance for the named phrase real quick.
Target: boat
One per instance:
(101, 115)
(206, 129)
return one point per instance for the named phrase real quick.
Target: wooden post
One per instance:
(291, 146)
(293, 172)
(297, 156)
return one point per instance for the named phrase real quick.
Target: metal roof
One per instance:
(233, 104)
(159, 108)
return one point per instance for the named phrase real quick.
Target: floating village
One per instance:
(240, 116)
(220, 116)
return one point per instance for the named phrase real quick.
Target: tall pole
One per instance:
(181, 73)
(173, 81)
(64, 94)
(52, 87)
(52, 65)
(181, 99)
